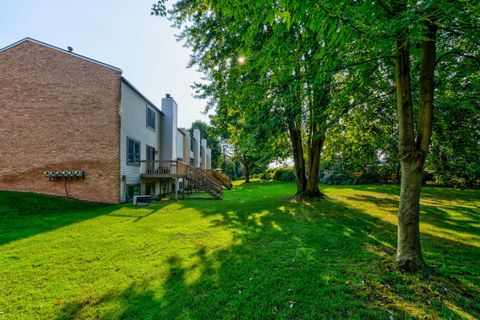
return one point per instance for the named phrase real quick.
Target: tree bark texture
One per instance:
(247, 175)
(412, 152)
(315, 152)
(298, 158)
(246, 167)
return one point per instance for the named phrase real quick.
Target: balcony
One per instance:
(158, 169)
(196, 178)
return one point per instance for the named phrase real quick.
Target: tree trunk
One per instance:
(312, 190)
(413, 153)
(409, 251)
(247, 174)
(246, 167)
(298, 158)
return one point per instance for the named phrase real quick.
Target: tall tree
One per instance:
(415, 30)
(277, 59)
(310, 59)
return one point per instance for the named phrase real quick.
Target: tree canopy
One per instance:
(349, 80)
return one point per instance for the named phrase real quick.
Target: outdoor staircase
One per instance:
(195, 179)
(220, 177)
(223, 178)
(199, 180)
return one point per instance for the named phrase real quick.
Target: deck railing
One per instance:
(195, 178)
(220, 176)
(158, 168)
(175, 169)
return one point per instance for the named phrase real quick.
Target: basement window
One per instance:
(150, 118)
(133, 152)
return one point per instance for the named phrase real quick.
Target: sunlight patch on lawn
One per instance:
(276, 226)
(256, 218)
(458, 311)
(384, 207)
(382, 242)
(131, 212)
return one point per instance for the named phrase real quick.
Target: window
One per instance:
(192, 144)
(150, 118)
(133, 152)
(201, 152)
(150, 153)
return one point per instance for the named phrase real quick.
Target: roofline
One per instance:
(128, 83)
(184, 131)
(61, 50)
(181, 131)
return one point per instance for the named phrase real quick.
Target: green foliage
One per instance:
(454, 154)
(326, 69)
(339, 173)
(279, 174)
(231, 168)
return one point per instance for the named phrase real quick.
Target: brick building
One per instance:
(63, 112)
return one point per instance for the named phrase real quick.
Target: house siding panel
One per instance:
(169, 136)
(180, 142)
(134, 125)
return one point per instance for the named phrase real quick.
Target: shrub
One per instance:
(278, 174)
(286, 174)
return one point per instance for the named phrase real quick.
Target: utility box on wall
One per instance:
(65, 175)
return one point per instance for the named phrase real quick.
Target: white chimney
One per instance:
(196, 148)
(203, 162)
(209, 159)
(170, 121)
(186, 146)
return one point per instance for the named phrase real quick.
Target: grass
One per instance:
(254, 255)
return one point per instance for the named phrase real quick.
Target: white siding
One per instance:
(187, 154)
(133, 125)
(208, 159)
(203, 160)
(169, 133)
(196, 148)
(180, 142)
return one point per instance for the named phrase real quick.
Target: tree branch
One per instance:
(458, 53)
(385, 7)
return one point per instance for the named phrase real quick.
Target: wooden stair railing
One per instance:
(219, 177)
(199, 180)
(226, 181)
(196, 178)
(210, 175)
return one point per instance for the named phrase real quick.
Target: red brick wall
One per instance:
(58, 112)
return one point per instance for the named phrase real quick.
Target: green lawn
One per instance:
(254, 255)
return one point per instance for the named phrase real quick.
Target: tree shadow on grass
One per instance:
(26, 214)
(435, 192)
(459, 218)
(291, 261)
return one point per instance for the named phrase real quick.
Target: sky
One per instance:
(121, 33)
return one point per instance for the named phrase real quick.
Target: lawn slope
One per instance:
(254, 255)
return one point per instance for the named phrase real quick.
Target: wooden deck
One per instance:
(160, 169)
(196, 179)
